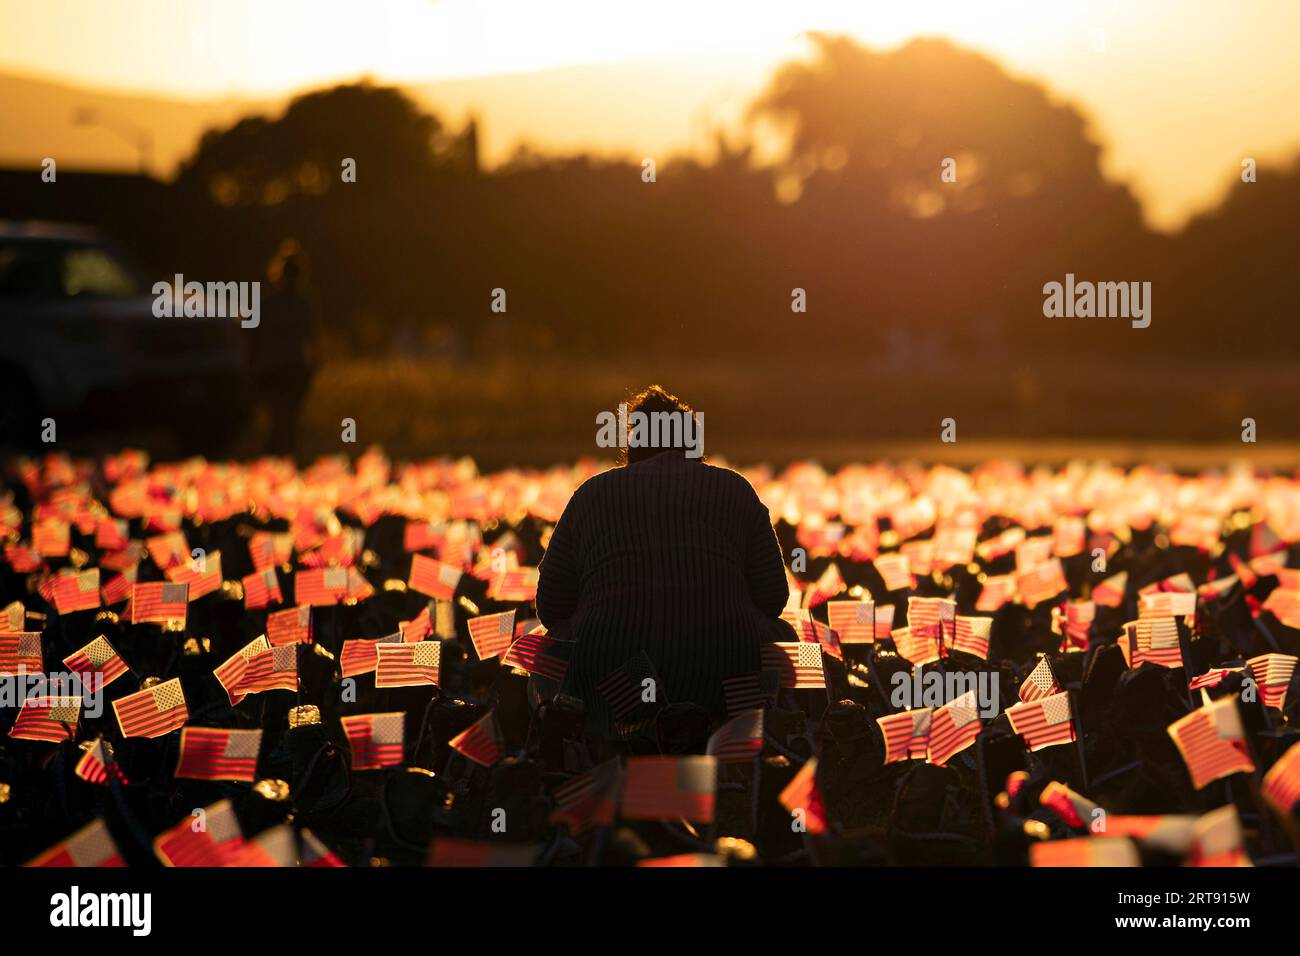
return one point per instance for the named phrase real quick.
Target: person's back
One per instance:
(670, 556)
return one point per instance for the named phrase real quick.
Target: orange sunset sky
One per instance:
(1179, 90)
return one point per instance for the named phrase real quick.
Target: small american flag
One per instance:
(98, 664)
(971, 635)
(826, 587)
(896, 571)
(376, 739)
(481, 741)
(210, 753)
(1282, 782)
(1068, 534)
(1211, 678)
(52, 538)
(168, 550)
(361, 656)
(119, 587)
(907, 734)
(433, 578)
(1153, 640)
(492, 633)
(632, 691)
(1071, 806)
(1045, 722)
(537, 654)
(799, 665)
(290, 626)
(853, 621)
(21, 651)
(1272, 673)
(152, 712)
(801, 620)
(739, 740)
(1162, 604)
(158, 602)
(418, 628)
(203, 575)
(1085, 851)
(230, 674)
(998, 590)
(92, 845)
(744, 692)
(918, 645)
(801, 795)
(262, 588)
(1040, 683)
(1212, 742)
(78, 591)
(97, 764)
(1073, 622)
(517, 584)
(408, 665)
(213, 838)
(321, 587)
(1041, 583)
(658, 788)
(267, 549)
(1110, 592)
(275, 668)
(50, 719)
(589, 799)
(953, 728)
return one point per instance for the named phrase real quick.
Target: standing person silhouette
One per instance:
(668, 556)
(286, 352)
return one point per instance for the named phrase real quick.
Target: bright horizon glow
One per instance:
(1179, 90)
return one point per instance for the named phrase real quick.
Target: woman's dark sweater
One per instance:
(672, 557)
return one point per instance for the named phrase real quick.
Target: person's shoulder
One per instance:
(727, 478)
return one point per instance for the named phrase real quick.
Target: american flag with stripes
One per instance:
(211, 753)
(97, 763)
(1153, 640)
(160, 602)
(152, 712)
(1041, 583)
(1045, 722)
(168, 550)
(659, 788)
(98, 664)
(268, 549)
(1110, 592)
(1281, 785)
(517, 584)
(853, 621)
(230, 673)
(376, 739)
(829, 584)
(799, 666)
(262, 588)
(1031, 552)
(1218, 839)
(275, 668)
(953, 728)
(1211, 678)
(632, 691)
(1070, 805)
(52, 538)
(537, 654)
(1162, 604)
(590, 799)
(418, 628)
(971, 635)
(76, 591)
(120, 586)
(1073, 621)
(896, 571)
(481, 741)
(906, 734)
(112, 534)
(433, 578)
(803, 799)
(408, 665)
(801, 620)
(997, 591)
(21, 651)
(203, 575)
(918, 647)
(933, 616)
(1212, 742)
(739, 740)
(1272, 674)
(49, 719)
(361, 656)
(321, 587)
(92, 845)
(213, 838)
(290, 626)
(1040, 683)
(491, 633)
